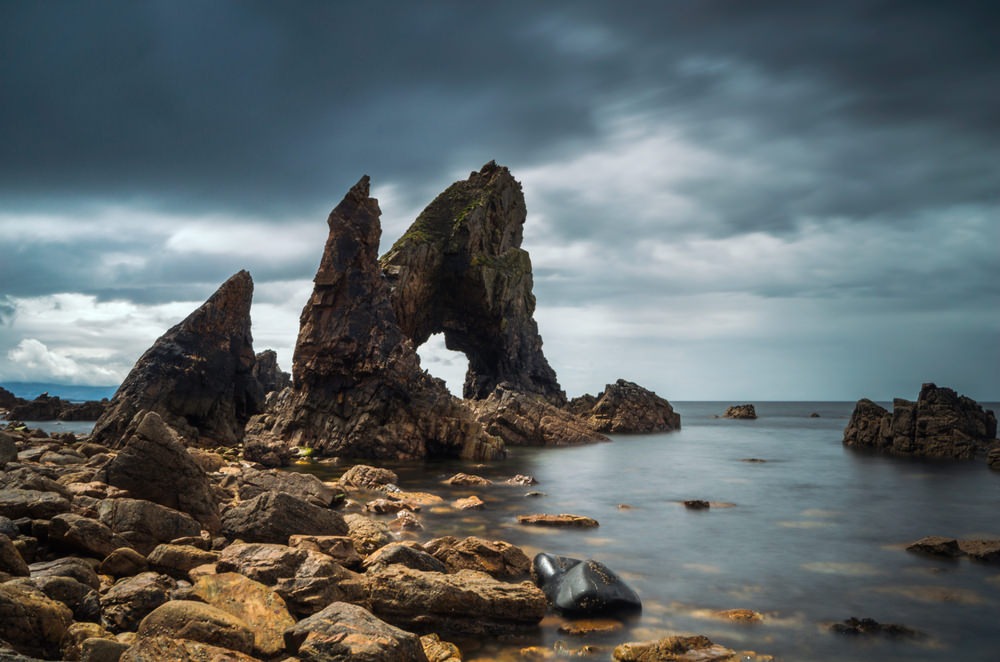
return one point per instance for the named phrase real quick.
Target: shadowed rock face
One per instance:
(626, 407)
(460, 270)
(940, 423)
(358, 389)
(198, 376)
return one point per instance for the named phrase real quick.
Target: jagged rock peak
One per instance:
(198, 376)
(357, 386)
(626, 407)
(940, 423)
(460, 270)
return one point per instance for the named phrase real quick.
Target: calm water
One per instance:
(815, 534)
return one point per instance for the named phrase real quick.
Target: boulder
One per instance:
(252, 602)
(577, 521)
(468, 480)
(76, 634)
(368, 477)
(97, 649)
(368, 534)
(31, 622)
(437, 650)
(8, 449)
(746, 412)
(583, 588)
(170, 649)
(71, 567)
(529, 419)
(275, 516)
(198, 376)
(154, 465)
(357, 388)
(11, 561)
(466, 602)
(626, 407)
(499, 559)
(80, 598)
(31, 478)
(460, 270)
(403, 554)
(15, 503)
(178, 560)
(197, 621)
(268, 374)
(468, 503)
(129, 601)
(252, 482)
(340, 548)
(123, 562)
(145, 524)
(348, 632)
(84, 534)
(939, 424)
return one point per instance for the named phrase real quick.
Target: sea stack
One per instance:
(460, 270)
(626, 407)
(198, 376)
(940, 423)
(357, 386)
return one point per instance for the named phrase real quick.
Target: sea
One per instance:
(813, 535)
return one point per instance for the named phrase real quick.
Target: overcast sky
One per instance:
(730, 200)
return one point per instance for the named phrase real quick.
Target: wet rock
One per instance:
(869, 626)
(268, 374)
(744, 616)
(583, 588)
(460, 270)
(15, 503)
(468, 480)
(178, 560)
(385, 506)
(698, 648)
(499, 559)
(274, 516)
(197, 621)
(403, 554)
(129, 601)
(71, 567)
(252, 602)
(154, 465)
(405, 521)
(340, 548)
(344, 631)
(123, 562)
(939, 424)
(198, 376)
(528, 419)
(251, 483)
(262, 446)
(993, 459)
(467, 601)
(626, 407)
(468, 503)
(697, 504)
(11, 561)
(169, 649)
(521, 479)
(746, 411)
(84, 534)
(437, 650)
(987, 551)
(358, 389)
(145, 524)
(936, 546)
(368, 534)
(577, 521)
(590, 626)
(368, 477)
(31, 622)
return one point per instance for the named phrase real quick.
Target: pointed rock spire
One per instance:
(198, 376)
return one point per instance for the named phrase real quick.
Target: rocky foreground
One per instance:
(159, 550)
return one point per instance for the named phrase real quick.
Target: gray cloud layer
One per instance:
(762, 150)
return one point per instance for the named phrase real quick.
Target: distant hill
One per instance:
(71, 392)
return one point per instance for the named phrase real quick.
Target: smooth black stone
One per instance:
(583, 588)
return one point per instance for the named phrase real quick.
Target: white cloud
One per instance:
(31, 360)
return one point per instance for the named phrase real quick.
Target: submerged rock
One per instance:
(940, 423)
(358, 390)
(460, 270)
(578, 521)
(697, 648)
(583, 588)
(869, 626)
(198, 376)
(626, 407)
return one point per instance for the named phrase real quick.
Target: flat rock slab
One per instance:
(557, 520)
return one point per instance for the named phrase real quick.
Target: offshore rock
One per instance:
(198, 376)
(460, 270)
(939, 424)
(358, 389)
(268, 374)
(746, 412)
(50, 408)
(527, 419)
(583, 588)
(626, 407)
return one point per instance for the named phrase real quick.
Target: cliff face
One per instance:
(460, 270)
(940, 423)
(357, 386)
(198, 376)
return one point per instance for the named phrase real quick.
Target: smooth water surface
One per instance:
(814, 535)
